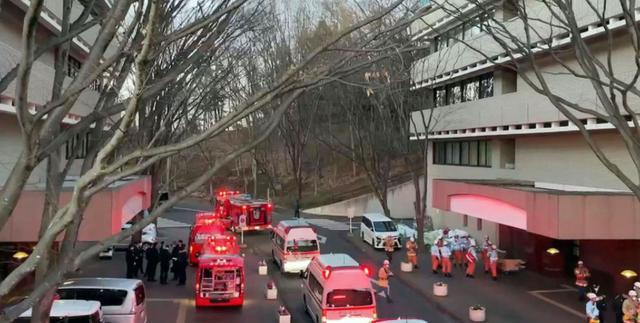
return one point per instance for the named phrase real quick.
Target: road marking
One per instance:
(168, 223)
(329, 224)
(190, 209)
(538, 294)
(322, 239)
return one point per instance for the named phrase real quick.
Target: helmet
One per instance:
(591, 296)
(580, 262)
(386, 262)
(494, 247)
(412, 239)
(633, 293)
(636, 285)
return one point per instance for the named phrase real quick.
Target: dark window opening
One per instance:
(464, 153)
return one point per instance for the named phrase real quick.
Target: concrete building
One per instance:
(109, 209)
(505, 162)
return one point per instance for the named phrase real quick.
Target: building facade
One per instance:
(504, 162)
(109, 209)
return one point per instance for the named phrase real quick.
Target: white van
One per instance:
(76, 311)
(337, 289)
(293, 244)
(375, 228)
(123, 300)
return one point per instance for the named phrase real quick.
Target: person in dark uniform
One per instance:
(139, 252)
(152, 262)
(601, 303)
(182, 266)
(617, 306)
(165, 261)
(130, 258)
(174, 257)
(297, 208)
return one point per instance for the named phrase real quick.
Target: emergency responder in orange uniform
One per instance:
(383, 279)
(471, 260)
(457, 249)
(493, 262)
(486, 248)
(389, 247)
(412, 252)
(435, 257)
(630, 308)
(582, 274)
(445, 254)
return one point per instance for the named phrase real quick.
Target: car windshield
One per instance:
(384, 226)
(106, 297)
(302, 245)
(349, 297)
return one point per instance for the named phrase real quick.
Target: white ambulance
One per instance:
(337, 289)
(293, 244)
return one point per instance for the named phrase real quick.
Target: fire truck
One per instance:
(212, 217)
(257, 213)
(200, 234)
(220, 277)
(221, 199)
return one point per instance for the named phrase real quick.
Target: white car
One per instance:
(375, 228)
(81, 311)
(106, 253)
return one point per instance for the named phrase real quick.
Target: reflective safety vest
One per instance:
(471, 255)
(383, 277)
(411, 248)
(581, 276)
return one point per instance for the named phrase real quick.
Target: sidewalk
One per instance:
(522, 297)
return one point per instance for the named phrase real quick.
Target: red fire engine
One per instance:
(200, 234)
(220, 277)
(257, 212)
(212, 217)
(222, 196)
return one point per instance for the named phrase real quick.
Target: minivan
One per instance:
(123, 300)
(69, 311)
(293, 244)
(337, 289)
(375, 228)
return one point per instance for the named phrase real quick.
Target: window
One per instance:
(465, 220)
(77, 147)
(106, 297)
(384, 226)
(302, 245)
(466, 30)
(465, 153)
(441, 42)
(315, 287)
(479, 224)
(349, 297)
(73, 67)
(471, 89)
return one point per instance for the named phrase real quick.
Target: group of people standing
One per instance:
(462, 252)
(626, 306)
(170, 258)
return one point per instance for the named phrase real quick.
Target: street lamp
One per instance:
(553, 251)
(20, 255)
(628, 273)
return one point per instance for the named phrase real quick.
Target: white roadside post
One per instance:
(350, 214)
(242, 223)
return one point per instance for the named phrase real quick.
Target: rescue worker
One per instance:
(600, 301)
(296, 207)
(389, 247)
(181, 264)
(636, 287)
(591, 309)
(582, 274)
(630, 308)
(465, 245)
(486, 248)
(174, 258)
(383, 279)
(152, 262)
(617, 306)
(456, 248)
(445, 254)
(165, 263)
(139, 252)
(412, 252)
(493, 261)
(130, 259)
(435, 257)
(471, 258)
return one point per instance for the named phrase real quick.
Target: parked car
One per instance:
(123, 300)
(63, 311)
(375, 228)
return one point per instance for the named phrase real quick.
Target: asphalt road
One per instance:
(171, 303)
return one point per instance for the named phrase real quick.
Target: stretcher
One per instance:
(511, 265)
